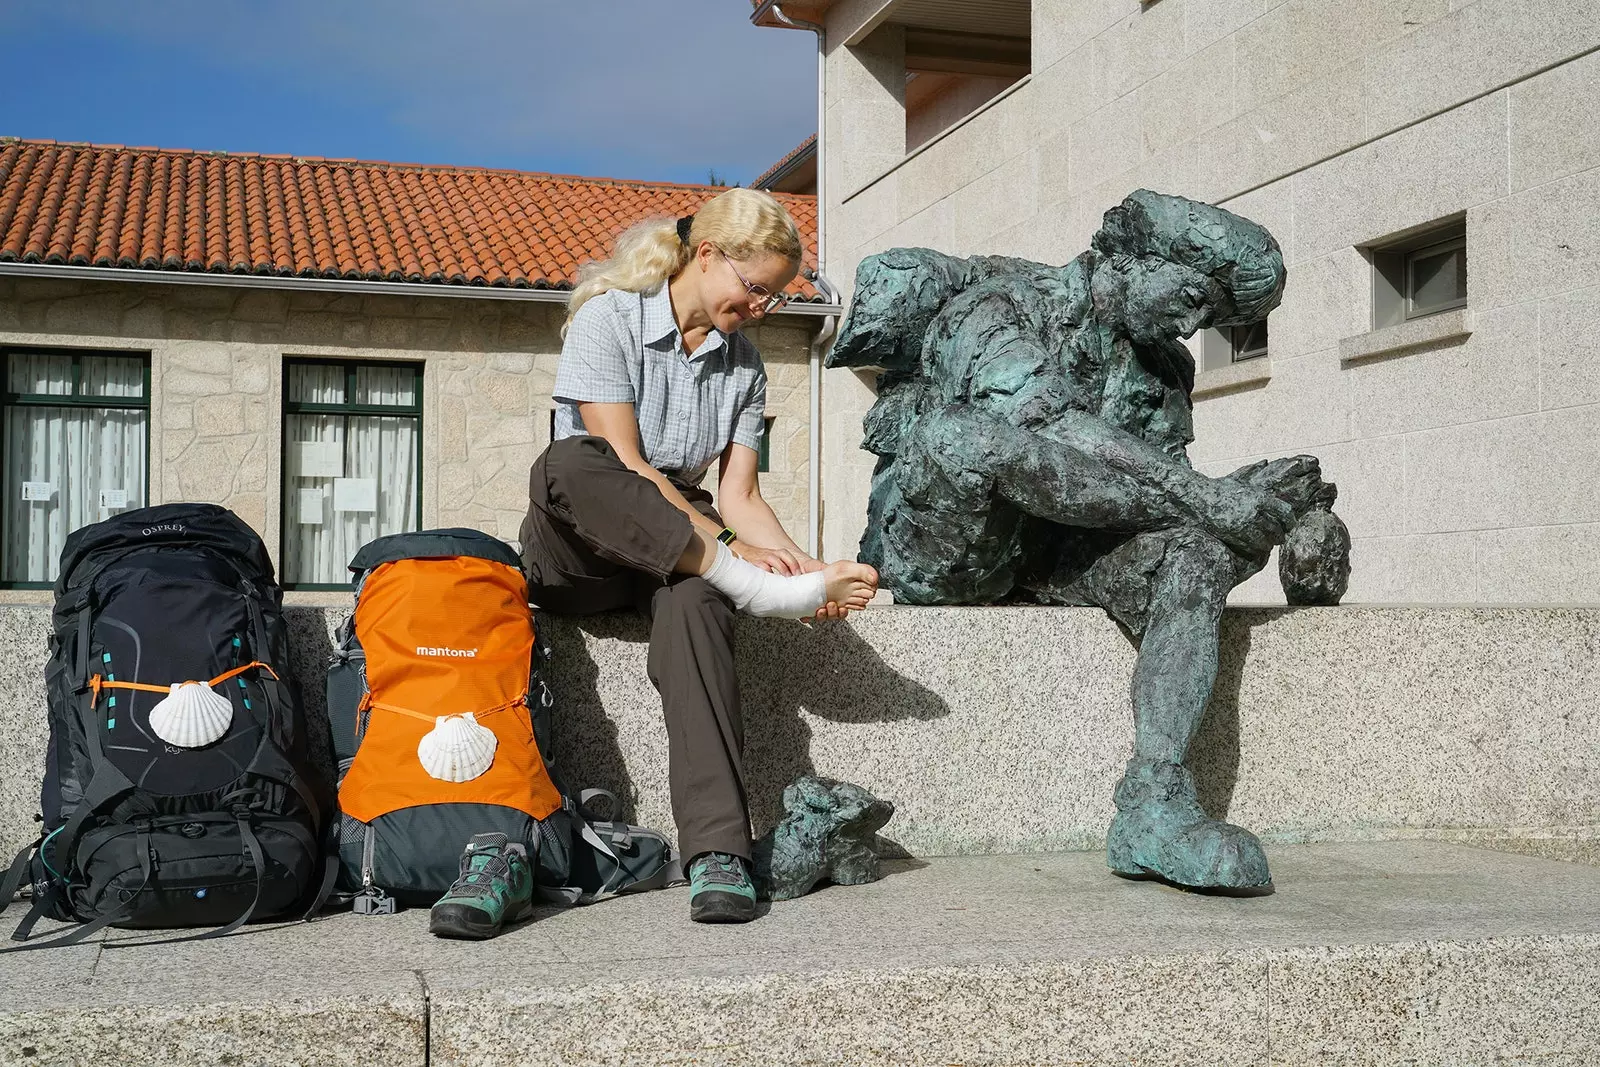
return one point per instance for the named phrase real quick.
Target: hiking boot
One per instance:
(1161, 830)
(495, 887)
(720, 889)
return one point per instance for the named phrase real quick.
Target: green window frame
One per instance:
(345, 410)
(764, 453)
(76, 398)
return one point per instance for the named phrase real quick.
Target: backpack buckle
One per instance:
(373, 901)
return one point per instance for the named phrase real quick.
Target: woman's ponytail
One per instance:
(647, 254)
(741, 222)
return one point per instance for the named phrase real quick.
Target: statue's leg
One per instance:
(1159, 827)
(1177, 662)
(940, 535)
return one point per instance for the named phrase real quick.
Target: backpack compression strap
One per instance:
(367, 703)
(97, 683)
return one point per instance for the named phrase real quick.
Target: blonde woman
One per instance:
(655, 384)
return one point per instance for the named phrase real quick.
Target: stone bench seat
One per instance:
(1002, 730)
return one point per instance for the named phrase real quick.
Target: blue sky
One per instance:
(654, 89)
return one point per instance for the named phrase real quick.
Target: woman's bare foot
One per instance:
(850, 585)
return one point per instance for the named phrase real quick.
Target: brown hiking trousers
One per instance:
(599, 537)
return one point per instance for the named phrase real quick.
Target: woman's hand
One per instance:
(776, 560)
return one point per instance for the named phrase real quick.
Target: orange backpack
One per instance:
(440, 717)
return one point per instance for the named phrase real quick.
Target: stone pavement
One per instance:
(1372, 953)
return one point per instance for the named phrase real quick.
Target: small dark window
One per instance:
(1422, 275)
(1224, 346)
(1436, 278)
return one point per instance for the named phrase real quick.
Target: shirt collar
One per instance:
(659, 324)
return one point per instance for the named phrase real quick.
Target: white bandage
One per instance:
(758, 592)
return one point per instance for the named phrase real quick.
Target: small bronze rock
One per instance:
(829, 831)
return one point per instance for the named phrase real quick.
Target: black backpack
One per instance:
(213, 812)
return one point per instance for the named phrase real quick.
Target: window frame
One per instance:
(1392, 277)
(346, 410)
(1219, 346)
(1451, 244)
(764, 453)
(74, 399)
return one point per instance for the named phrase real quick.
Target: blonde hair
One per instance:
(742, 222)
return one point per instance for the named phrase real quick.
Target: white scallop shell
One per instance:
(193, 715)
(457, 749)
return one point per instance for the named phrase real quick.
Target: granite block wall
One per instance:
(1465, 465)
(488, 368)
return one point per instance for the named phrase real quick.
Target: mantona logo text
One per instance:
(464, 653)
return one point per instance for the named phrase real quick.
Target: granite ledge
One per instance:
(1447, 327)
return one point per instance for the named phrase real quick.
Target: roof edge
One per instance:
(324, 161)
(293, 282)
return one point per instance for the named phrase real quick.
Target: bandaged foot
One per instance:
(758, 592)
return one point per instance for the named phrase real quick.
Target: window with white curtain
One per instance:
(352, 452)
(77, 441)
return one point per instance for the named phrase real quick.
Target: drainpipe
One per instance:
(814, 468)
(825, 334)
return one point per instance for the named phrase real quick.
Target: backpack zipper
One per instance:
(369, 845)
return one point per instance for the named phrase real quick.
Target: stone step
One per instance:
(1003, 730)
(1372, 953)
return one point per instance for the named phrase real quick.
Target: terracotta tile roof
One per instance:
(808, 145)
(158, 209)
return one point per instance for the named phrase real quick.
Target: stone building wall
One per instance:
(488, 367)
(1465, 464)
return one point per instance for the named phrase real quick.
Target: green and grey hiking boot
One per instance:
(495, 887)
(720, 889)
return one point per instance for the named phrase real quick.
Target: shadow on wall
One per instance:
(785, 668)
(828, 671)
(310, 651)
(1214, 754)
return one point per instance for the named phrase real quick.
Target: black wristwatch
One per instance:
(727, 535)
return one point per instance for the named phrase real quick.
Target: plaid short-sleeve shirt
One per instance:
(625, 348)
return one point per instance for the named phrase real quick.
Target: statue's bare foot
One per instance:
(850, 585)
(1160, 830)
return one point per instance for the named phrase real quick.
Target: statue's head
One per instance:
(897, 294)
(1172, 266)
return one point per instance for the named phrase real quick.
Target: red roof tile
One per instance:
(808, 145)
(223, 213)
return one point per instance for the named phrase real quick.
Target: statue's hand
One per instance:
(1295, 480)
(1247, 518)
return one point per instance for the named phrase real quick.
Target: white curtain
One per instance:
(321, 538)
(83, 461)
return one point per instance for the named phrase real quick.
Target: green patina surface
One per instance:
(1030, 430)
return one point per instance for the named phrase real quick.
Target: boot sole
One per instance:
(714, 907)
(457, 923)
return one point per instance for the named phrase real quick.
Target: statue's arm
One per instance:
(1150, 491)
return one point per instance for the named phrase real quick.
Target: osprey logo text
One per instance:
(463, 653)
(166, 527)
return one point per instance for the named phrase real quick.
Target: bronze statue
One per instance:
(829, 831)
(1030, 426)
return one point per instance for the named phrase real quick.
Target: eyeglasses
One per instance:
(760, 297)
